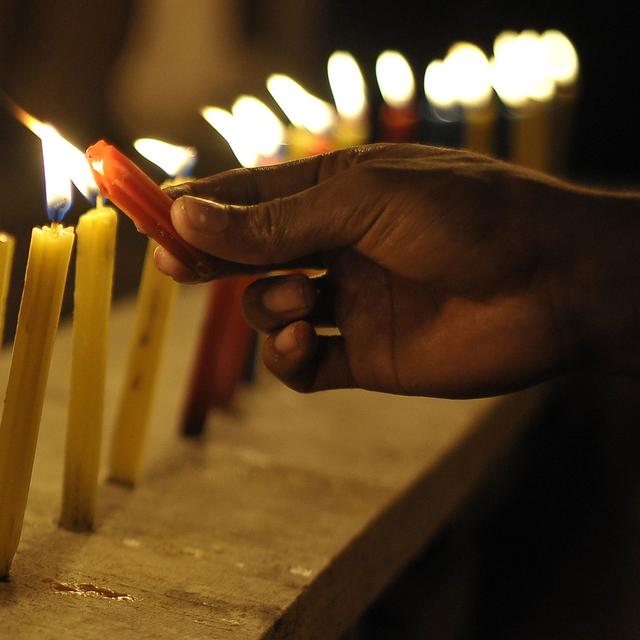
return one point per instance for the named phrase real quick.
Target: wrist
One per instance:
(601, 282)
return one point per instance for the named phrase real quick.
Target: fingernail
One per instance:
(286, 341)
(201, 215)
(288, 296)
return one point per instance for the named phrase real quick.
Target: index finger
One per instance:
(249, 186)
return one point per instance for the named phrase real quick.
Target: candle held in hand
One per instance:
(96, 233)
(125, 184)
(45, 278)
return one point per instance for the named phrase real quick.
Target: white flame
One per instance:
(259, 125)
(437, 85)
(468, 71)
(519, 70)
(347, 85)
(395, 79)
(56, 173)
(301, 107)
(71, 157)
(227, 126)
(562, 58)
(79, 171)
(173, 159)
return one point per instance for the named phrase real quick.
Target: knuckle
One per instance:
(266, 230)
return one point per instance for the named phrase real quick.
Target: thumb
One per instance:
(321, 218)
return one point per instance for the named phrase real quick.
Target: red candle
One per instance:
(214, 327)
(221, 354)
(233, 352)
(398, 124)
(130, 189)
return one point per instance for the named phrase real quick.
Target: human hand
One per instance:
(448, 273)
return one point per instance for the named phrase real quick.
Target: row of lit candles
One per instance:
(528, 71)
(257, 136)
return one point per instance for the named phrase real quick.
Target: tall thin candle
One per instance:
(44, 283)
(154, 304)
(96, 233)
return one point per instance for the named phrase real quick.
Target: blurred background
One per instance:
(124, 69)
(560, 557)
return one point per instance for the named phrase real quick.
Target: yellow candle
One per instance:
(6, 260)
(96, 233)
(480, 124)
(45, 278)
(530, 136)
(154, 305)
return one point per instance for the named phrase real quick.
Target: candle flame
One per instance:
(520, 69)
(347, 85)
(395, 79)
(70, 158)
(227, 126)
(173, 159)
(259, 125)
(56, 176)
(562, 58)
(470, 73)
(300, 106)
(437, 86)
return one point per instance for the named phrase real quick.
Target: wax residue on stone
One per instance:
(90, 590)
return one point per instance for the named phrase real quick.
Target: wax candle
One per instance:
(442, 113)
(460, 95)
(7, 244)
(124, 184)
(521, 78)
(38, 317)
(153, 306)
(563, 67)
(96, 231)
(255, 135)
(213, 331)
(398, 116)
(350, 96)
(231, 357)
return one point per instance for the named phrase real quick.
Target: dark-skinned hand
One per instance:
(447, 273)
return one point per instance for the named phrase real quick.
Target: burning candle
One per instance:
(259, 127)
(350, 95)
(155, 301)
(443, 115)
(96, 232)
(312, 119)
(255, 135)
(460, 97)
(7, 244)
(521, 79)
(45, 277)
(227, 126)
(564, 67)
(398, 116)
(206, 366)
